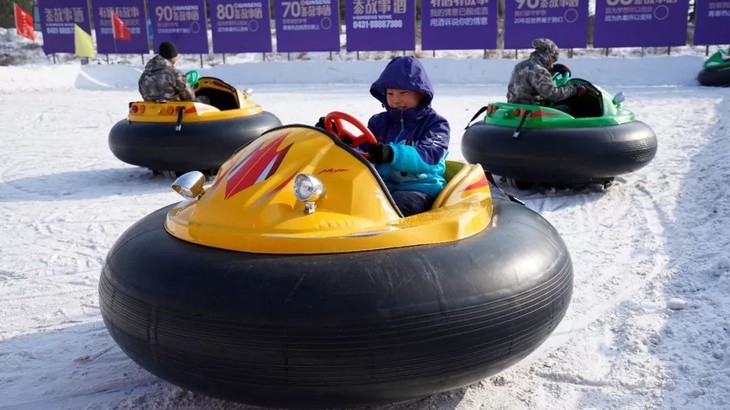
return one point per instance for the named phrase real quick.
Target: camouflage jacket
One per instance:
(532, 83)
(162, 81)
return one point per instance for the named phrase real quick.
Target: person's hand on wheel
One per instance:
(380, 153)
(560, 68)
(320, 124)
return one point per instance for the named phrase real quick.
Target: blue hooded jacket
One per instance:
(419, 136)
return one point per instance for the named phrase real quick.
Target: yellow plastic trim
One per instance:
(166, 112)
(251, 207)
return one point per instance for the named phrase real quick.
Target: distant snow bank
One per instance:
(603, 71)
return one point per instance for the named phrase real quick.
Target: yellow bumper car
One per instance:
(181, 136)
(293, 280)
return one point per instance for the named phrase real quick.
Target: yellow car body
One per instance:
(251, 205)
(227, 103)
(292, 280)
(181, 136)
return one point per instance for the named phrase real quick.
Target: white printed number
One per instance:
(225, 12)
(292, 8)
(621, 2)
(378, 24)
(531, 4)
(164, 13)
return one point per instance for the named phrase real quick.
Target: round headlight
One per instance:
(308, 188)
(190, 185)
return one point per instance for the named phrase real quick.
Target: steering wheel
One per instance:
(192, 77)
(333, 124)
(561, 74)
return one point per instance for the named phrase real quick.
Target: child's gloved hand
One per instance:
(320, 124)
(379, 153)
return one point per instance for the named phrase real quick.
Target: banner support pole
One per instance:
(201, 61)
(224, 58)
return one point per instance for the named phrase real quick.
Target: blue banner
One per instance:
(307, 25)
(628, 23)
(57, 18)
(565, 22)
(712, 22)
(240, 26)
(132, 13)
(182, 22)
(380, 25)
(465, 25)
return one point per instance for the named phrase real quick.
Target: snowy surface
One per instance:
(648, 323)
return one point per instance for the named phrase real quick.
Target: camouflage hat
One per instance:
(547, 47)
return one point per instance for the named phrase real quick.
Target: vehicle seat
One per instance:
(459, 176)
(222, 95)
(223, 100)
(587, 106)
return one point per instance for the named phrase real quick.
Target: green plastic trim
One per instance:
(509, 115)
(716, 60)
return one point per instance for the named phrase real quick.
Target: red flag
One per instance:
(119, 29)
(24, 23)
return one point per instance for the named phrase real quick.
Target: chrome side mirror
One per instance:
(618, 98)
(190, 185)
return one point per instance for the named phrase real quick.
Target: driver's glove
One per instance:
(559, 68)
(379, 153)
(347, 140)
(320, 124)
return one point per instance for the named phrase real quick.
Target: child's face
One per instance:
(402, 99)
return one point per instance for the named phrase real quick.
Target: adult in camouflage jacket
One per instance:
(161, 81)
(531, 81)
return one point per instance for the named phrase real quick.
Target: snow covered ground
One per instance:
(648, 323)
